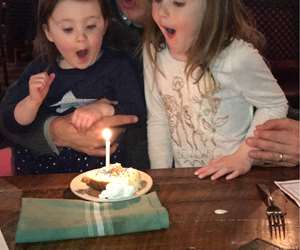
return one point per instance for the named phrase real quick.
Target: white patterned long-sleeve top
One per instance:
(194, 122)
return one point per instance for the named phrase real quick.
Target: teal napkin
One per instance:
(59, 219)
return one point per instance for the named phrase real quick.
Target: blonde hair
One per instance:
(222, 21)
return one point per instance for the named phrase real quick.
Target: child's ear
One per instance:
(47, 32)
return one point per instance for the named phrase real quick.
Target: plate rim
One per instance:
(144, 176)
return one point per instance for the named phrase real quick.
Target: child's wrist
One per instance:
(33, 103)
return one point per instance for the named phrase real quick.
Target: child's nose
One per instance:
(81, 36)
(163, 10)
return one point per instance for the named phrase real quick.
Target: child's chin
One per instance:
(83, 65)
(178, 56)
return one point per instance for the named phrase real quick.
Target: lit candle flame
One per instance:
(106, 133)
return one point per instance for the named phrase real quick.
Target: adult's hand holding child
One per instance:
(276, 142)
(84, 117)
(64, 134)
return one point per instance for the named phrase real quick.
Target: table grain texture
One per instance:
(191, 203)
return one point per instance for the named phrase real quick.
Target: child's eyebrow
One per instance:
(61, 20)
(93, 17)
(72, 20)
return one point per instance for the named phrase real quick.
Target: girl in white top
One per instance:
(203, 78)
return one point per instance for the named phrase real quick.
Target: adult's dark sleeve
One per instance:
(132, 101)
(129, 88)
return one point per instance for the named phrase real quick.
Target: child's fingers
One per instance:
(206, 171)
(107, 101)
(79, 122)
(76, 121)
(233, 175)
(204, 168)
(37, 84)
(82, 122)
(74, 118)
(85, 123)
(50, 79)
(43, 77)
(36, 80)
(221, 172)
(199, 170)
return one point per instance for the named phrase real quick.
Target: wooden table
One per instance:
(191, 204)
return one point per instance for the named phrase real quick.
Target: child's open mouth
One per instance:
(82, 54)
(170, 32)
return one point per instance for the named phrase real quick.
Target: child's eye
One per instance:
(179, 4)
(91, 27)
(67, 30)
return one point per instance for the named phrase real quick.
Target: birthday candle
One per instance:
(106, 133)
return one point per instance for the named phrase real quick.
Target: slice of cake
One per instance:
(114, 181)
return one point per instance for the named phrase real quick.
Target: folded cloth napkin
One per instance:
(59, 219)
(291, 188)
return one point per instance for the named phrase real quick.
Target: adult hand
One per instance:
(276, 142)
(91, 142)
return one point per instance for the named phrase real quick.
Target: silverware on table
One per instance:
(274, 214)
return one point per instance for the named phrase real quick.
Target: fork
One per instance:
(274, 213)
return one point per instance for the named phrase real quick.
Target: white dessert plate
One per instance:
(85, 192)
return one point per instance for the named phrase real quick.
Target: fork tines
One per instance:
(274, 213)
(276, 223)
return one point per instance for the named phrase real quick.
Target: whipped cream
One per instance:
(117, 190)
(122, 182)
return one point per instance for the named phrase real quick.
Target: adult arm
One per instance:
(46, 133)
(159, 141)
(33, 139)
(63, 134)
(273, 138)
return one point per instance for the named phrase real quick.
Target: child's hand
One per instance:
(39, 85)
(232, 165)
(84, 117)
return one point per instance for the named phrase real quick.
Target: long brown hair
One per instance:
(222, 22)
(42, 46)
